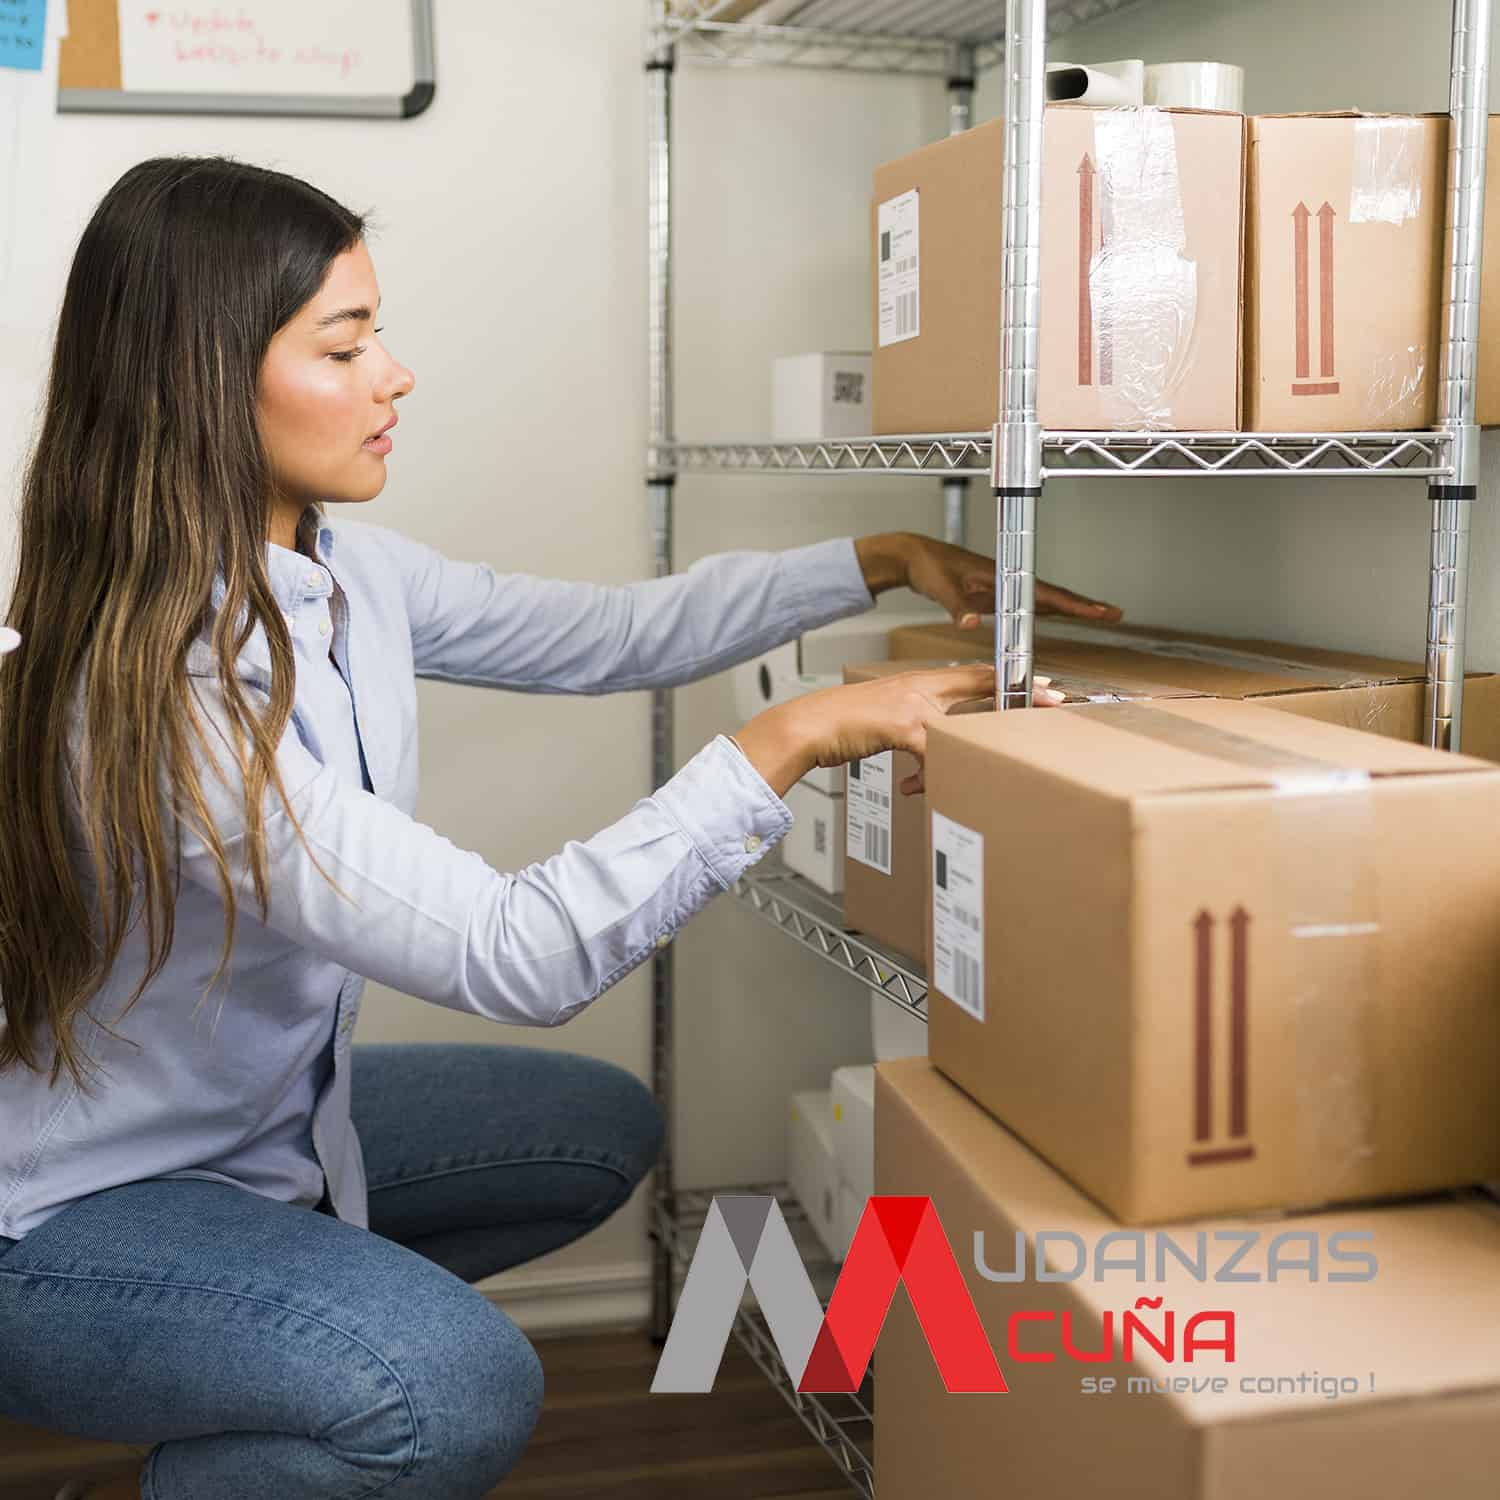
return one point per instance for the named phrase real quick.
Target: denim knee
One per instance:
(485, 1384)
(641, 1127)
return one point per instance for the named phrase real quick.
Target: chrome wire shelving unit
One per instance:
(1156, 455)
(951, 40)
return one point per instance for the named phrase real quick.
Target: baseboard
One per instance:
(594, 1299)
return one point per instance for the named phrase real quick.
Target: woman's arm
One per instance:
(470, 624)
(435, 921)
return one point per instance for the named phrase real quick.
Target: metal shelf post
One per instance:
(1017, 474)
(1453, 499)
(661, 476)
(961, 68)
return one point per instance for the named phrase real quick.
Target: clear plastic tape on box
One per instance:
(1386, 188)
(1143, 288)
(1322, 840)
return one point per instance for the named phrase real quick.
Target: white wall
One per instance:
(512, 264)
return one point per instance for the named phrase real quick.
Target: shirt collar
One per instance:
(293, 574)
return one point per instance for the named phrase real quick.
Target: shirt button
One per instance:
(664, 939)
(323, 627)
(752, 842)
(314, 580)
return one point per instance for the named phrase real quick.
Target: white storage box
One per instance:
(854, 1127)
(814, 844)
(820, 396)
(812, 1165)
(851, 1209)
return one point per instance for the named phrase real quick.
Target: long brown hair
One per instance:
(147, 478)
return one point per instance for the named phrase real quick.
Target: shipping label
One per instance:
(867, 811)
(958, 913)
(899, 279)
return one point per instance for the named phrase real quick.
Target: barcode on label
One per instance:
(878, 846)
(906, 314)
(966, 980)
(820, 836)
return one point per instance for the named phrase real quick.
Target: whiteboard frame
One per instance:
(363, 106)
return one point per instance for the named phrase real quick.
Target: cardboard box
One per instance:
(1344, 272)
(814, 844)
(1416, 1332)
(1377, 694)
(813, 1165)
(1140, 290)
(820, 396)
(1207, 958)
(852, 1091)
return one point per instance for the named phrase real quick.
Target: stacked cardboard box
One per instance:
(1341, 1384)
(1140, 314)
(1200, 955)
(1344, 272)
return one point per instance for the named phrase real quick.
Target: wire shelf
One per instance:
(1154, 455)
(842, 1424)
(915, 37)
(799, 909)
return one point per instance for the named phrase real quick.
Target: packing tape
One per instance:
(1387, 173)
(1143, 289)
(1098, 690)
(1322, 838)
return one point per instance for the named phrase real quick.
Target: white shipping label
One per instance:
(867, 812)
(958, 913)
(899, 281)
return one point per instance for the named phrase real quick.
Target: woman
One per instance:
(216, 1237)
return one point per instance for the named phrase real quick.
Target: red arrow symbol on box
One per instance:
(153, 16)
(1239, 1015)
(1325, 285)
(1085, 256)
(1299, 252)
(1203, 1054)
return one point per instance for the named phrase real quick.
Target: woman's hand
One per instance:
(839, 724)
(963, 582)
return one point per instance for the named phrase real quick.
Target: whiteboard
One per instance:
(337, 57)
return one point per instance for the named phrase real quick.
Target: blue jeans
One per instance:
(269, 1351)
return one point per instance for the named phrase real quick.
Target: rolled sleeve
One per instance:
(727, 808)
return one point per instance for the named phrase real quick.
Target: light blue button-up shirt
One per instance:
(251, 1085)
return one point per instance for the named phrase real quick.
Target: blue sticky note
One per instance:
(23, 30)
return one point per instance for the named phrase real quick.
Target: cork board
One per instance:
(264, 57)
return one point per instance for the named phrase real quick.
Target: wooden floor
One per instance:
(601, 1435)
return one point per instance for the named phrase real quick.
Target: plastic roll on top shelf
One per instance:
(1196, 85)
